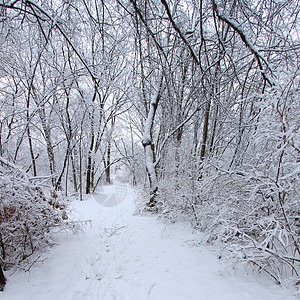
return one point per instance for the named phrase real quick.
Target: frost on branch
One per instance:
(250, 206)
(27, 218)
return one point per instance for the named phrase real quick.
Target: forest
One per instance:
(195, 102)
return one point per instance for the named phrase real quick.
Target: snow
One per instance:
(125, 256)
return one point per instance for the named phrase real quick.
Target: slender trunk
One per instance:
(74, 173)
(80, 166)
(58, 182)
(31, 152)
(66, 179)
(133, 179)
(148, 146)
(205, 130)
(89, 167)
(195, 134)
(214, 129)
(29, 138)
(93, 174)
(2, 279)
(89, 171)
(107, 169)
(108, 153)
(132, 163)
(151, 174)
(50, 150)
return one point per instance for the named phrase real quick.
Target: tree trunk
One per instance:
(31, 153)
(29, 139)
(151, 174)
(107, 169)
(80, 166)
(148, 147)
(50, 150)
(89, 167)
(2, 279)
(205, 130)
(58, 182)
(108, 153)
(213, 135)
(74, 173)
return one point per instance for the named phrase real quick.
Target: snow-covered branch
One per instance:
(237, 27)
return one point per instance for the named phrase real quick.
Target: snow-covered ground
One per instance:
(122, 256)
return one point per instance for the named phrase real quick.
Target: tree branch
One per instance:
(236, 27)
(165, 4)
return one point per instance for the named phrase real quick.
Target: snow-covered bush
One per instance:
(248, 197)
(248, 215)
(27, 216)
(254, 206)
(178, 196)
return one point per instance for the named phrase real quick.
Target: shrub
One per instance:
(27, 217)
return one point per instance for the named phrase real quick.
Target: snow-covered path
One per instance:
(122, 256)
